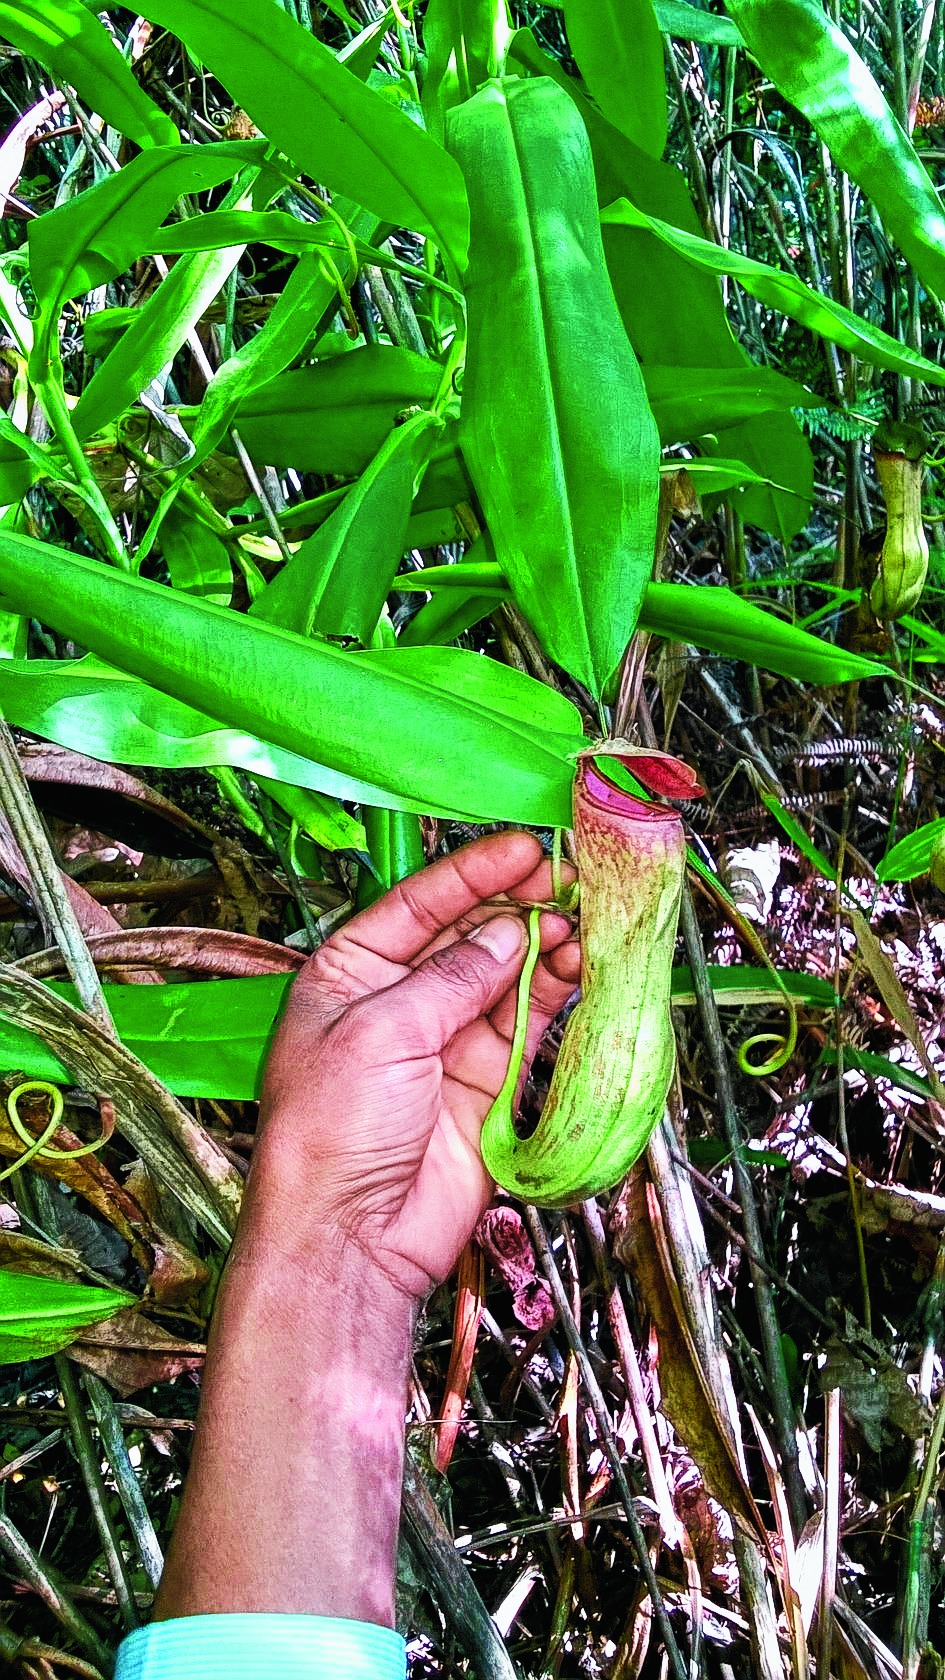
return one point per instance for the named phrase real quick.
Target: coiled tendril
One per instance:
(38, 1146)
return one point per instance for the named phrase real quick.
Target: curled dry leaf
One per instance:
(44, 762)
(501, 1232)
(201, 950)
(19, 1253)
(92, 917)
(129, 1352)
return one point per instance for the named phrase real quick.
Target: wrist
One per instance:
(339, 1229)
(318, 1278)
(302, 1421)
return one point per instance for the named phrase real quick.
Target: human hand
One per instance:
(394, 1045)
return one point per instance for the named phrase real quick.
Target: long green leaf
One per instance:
(912, 855)
(619, 52)
(810, 61)
(739, 986)
(201, 1038)
(211, 1038)
(91, 238)
(674, 315)
(249, 227)
(332, 417)
(99, 233)
(38, 1315)
(322, 116)
(787, 294)
(307, 294)
(385, 717)
(712, 475)
(794, 831)
(72, 43)
(713, 618)
(337, 582)
(555, 424)
(155, 336)
(878, 1067)
(95, 709)
(720, 620)
(688, 402)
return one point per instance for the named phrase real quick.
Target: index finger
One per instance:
(414, 912)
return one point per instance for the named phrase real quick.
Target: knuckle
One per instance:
(325, 976)
(415, 902)
(457, 967)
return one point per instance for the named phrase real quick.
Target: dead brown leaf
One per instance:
(687, 1401)
(130, 1352)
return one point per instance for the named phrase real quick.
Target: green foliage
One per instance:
(94, 708)
(322, 116)
(466, 44)
(91, 238)
(692, 23)
(811, 61)
(785, 293)
(721, 620)
(39, 1315)
(69, 40)
(337, 583)
(694, 332)
(618, 47)
(838, 424)
(333, 417)
(158, 330)
(542, 394)
(377, 716)
(912, 855)
(687, 402)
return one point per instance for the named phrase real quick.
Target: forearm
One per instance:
(292, 1502)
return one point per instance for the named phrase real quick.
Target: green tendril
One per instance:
(37, 1146)
(502, 1109)
(565, 898)
(333, 275)
(556, 866)
(787, 1042)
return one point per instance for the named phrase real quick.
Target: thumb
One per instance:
(456, 985)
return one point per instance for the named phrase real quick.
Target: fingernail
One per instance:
(503, 937)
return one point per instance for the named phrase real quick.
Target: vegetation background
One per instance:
(328, 538)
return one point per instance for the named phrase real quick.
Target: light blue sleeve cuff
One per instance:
(262, 1647)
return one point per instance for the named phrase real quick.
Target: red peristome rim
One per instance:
(609, 797)
(664, 775)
